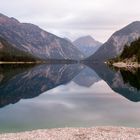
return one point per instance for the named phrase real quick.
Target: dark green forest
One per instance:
(130, 53)
(10, 53)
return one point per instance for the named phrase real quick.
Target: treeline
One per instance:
(130, 53)
(10, 53)
(16, 57)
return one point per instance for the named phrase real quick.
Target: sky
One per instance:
(75, 18)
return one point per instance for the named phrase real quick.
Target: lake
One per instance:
(68, 95)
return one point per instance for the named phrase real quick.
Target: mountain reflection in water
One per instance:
(26, 81)
(23, 82)
(125, 82)
(72, 95)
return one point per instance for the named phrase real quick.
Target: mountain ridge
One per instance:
(115, 44)
(40, 43)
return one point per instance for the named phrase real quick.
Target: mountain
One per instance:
(115, 44)
(34, 40)
(12, 54)
(87, 45)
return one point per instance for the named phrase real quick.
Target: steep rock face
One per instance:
(87, 45)
(115, 44)
(30, 38)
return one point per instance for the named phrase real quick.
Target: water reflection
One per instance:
(131, 77)
(28, 81)
(60, 95)
(87, 77)
(123, 81)
(23, 82)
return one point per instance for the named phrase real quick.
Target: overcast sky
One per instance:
(74, 18)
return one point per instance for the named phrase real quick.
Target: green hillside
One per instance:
(10, 53)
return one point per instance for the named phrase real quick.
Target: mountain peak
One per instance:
(86, 40)
(87, 37)
(87, 45)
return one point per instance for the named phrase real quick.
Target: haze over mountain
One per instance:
(87, 45)
(32, 39)
(115, 44)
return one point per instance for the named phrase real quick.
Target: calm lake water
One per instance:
(67, 95)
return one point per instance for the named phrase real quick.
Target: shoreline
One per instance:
(126, 65)
(40, 62)
(95, 133)
(1, 62)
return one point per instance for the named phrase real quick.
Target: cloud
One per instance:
(76, 17)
